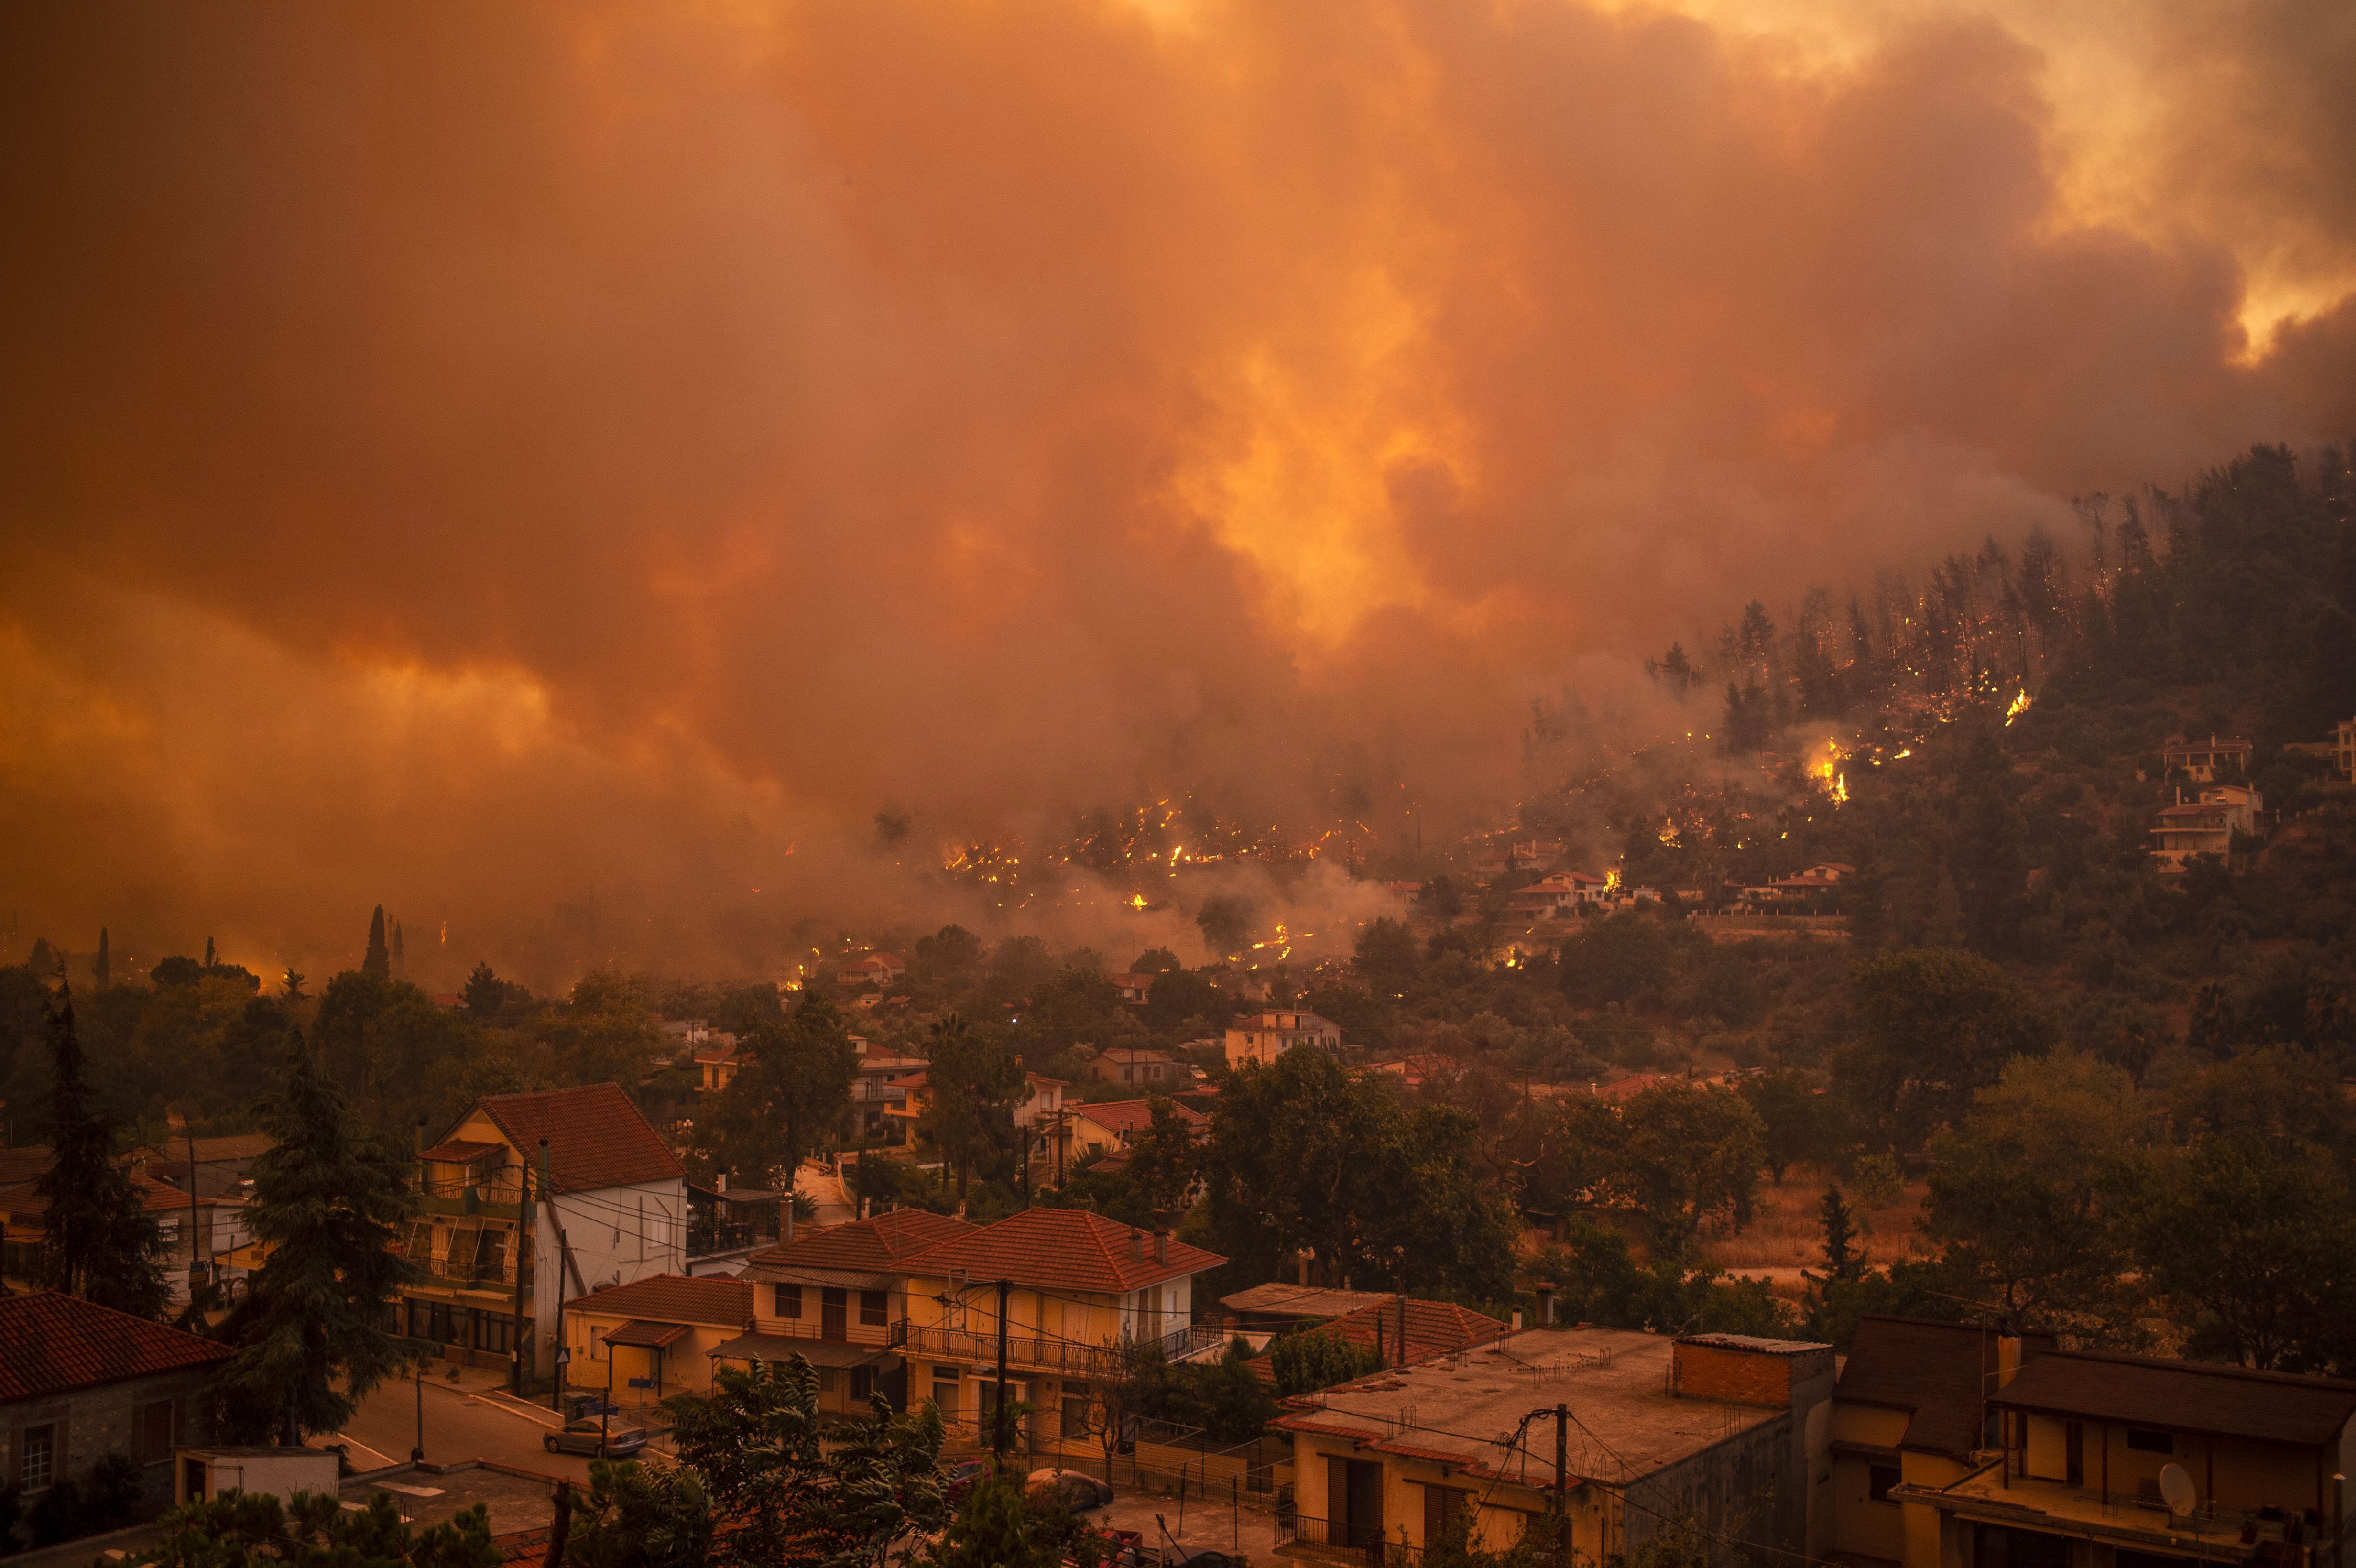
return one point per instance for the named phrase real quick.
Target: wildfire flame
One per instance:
(1827, 772)
(2020, 706)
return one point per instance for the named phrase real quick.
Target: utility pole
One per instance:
(196, 1269)
(524, 1226)
(417, 1454)
(998, 1420)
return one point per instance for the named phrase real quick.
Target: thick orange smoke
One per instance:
(467, 457)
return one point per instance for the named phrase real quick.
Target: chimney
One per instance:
(1517, 1319)
(1301, 1257)
(1136, 1245)
(1161, 1246)
(1546, 1305)
(2009, 1354)
(720, 1183)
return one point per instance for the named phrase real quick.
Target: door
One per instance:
(1354, 1503)
(833, 1315)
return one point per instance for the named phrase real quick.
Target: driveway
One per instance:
(471, 1419)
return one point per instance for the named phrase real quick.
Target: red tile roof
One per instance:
(649, 1336)
(1135, 1116)
(61, 1342)
(597, 1137)
(25, 1201)
(866, 1247)
(1063, 1249)
(673, 1298)
(1434, 1329)
(24, 1164)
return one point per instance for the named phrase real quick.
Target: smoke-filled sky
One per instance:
(473, 456)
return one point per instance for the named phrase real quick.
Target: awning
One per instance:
(779, 1347)
(648, 1336)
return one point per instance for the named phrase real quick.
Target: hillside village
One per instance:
(1915, 1128)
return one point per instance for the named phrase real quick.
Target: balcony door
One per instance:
(833, 1314)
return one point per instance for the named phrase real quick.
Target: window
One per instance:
(945, 1391)
(862, 1382)
(38, 1447)
(789, 1300)
(1075, 1412)
(826, 1380)
(155, 1431)
(2148, 1442)
(1879, 1480)
(875, 1308)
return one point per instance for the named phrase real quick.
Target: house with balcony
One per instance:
(2207, 761)
(2205, 826)
(1081, 1293)
(2073, 1470)
(608, 1207)
(1264, 1037)
(1718, 1429)
(839, 1299)
(653, 1338)
(1558, 897)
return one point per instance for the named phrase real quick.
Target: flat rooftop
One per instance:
(1465, 1410)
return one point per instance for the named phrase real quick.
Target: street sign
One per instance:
(642, 1383)
(563, 1355)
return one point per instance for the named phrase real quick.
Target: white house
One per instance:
(1264, 1037)
(611, 1208)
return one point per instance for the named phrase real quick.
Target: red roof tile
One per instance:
(597, 1137)
(1063, 1249)
(59, 1342)
(673, 1298)
(461, 1151)
(866, 1247)
(1434, 1329)
(1136, 1115)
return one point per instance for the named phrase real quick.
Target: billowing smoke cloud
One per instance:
(478, 457)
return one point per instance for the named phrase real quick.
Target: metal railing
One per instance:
(1299, 1535)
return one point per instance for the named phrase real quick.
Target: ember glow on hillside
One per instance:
(481, 455)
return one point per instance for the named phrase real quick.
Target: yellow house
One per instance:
(836, 1298)
(1714, 1428)
(1078, 1288)
(653, 1338)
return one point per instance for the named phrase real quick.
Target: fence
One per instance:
(1298, 1535)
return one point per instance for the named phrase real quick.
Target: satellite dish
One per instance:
(2176, 1490)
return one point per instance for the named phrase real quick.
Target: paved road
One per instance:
(462, 1423)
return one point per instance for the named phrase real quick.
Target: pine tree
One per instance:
(43, 959)
(1841, 1255)
(379, 959)
(98, 1239)
(483, 992)
(100, 969)
(329, 1204)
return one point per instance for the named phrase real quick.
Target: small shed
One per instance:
(203, 1473)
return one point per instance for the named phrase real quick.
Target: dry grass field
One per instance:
(1786, 1232)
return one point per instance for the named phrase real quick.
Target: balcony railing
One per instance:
(469, 1202)
(1336, 1540)
(1039, 1354)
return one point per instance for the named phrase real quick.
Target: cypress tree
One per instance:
(210, 960)
(330, 1203)
(98, 1239)
(43, 959)
(399, 953)
(378, 961)
(101, 970)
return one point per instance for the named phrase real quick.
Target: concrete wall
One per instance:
(1736, 1486)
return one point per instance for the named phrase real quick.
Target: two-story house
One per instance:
(1711, 1430)
(2205, 826)
(1077, 1288)
(186, 1237)
(838, 1298)
(1558, 896)
(1264, 1037)
(610, 1208)
(79, 1381)
(1109, 1125)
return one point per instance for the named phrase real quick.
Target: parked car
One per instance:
(1076, 1489)
(1208, 1557)
(586, 1437)
(961, 1479)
